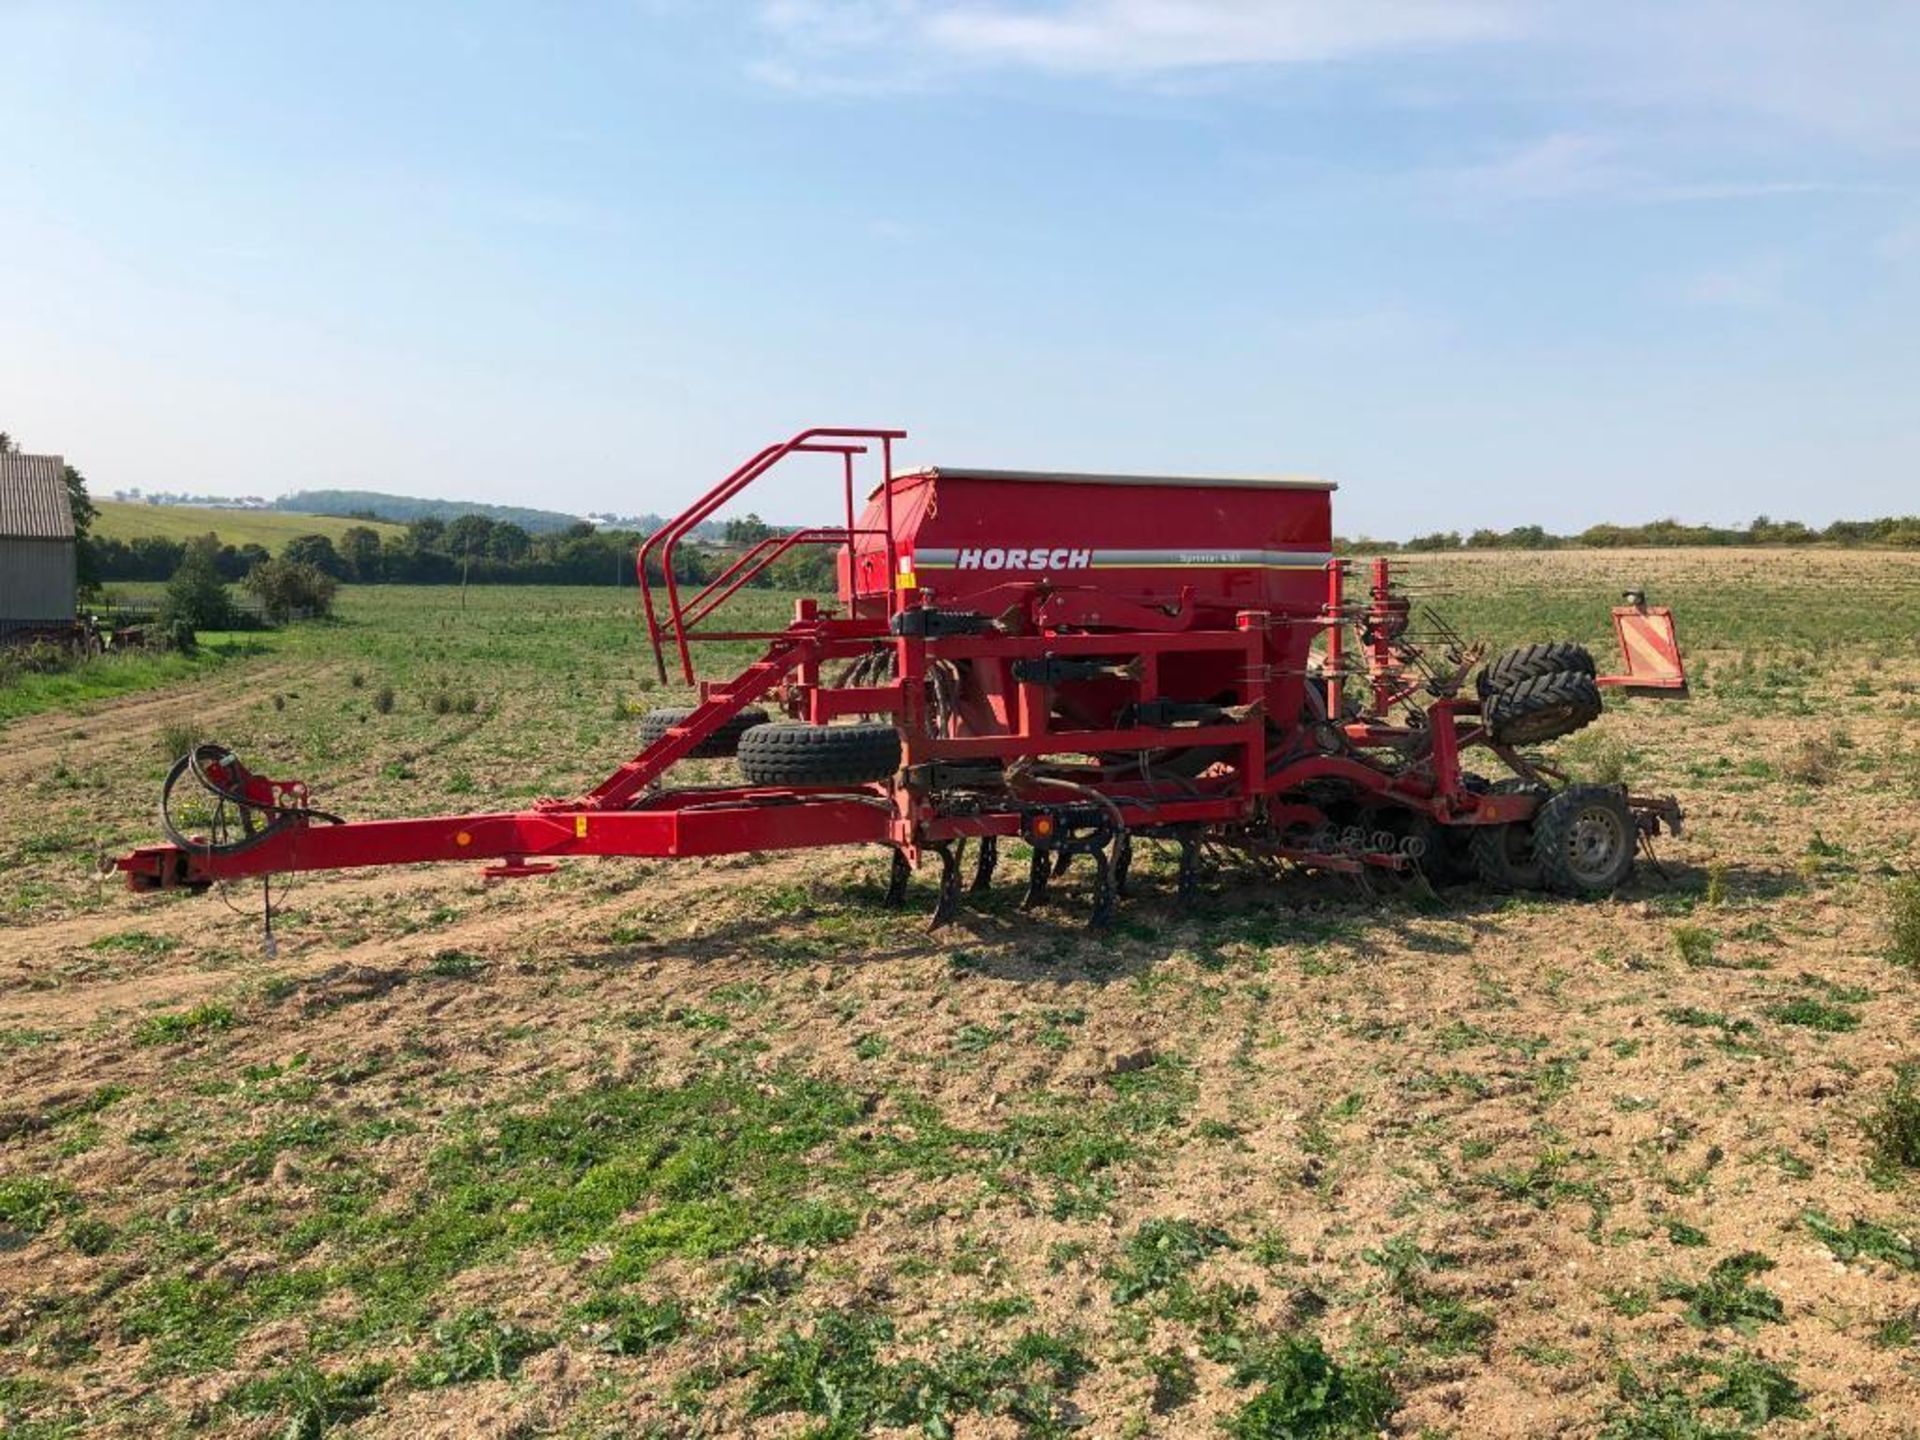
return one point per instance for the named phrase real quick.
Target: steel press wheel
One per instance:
(1583, 841)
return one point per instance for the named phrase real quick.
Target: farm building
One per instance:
(37, 556)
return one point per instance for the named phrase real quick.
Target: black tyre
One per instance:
(717, 746)
(1503, 855)
(1529, 662)
(1544, 708)
(793, 754)
(1583, 841)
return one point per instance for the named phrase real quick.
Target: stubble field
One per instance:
(725, 1148)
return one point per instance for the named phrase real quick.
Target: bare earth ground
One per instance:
(724, 1148)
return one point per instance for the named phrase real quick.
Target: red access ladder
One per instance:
(676, 623)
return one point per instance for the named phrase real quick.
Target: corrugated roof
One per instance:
(33, 498)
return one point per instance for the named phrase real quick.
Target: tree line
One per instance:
(430, 551)
(1899, 531)
(475, 548)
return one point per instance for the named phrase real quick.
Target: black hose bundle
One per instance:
(233, 810)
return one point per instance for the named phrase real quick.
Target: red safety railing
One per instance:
(679, 617)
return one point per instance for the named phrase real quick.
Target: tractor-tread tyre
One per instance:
(795, 754)
(1529, 662)
(1503, 855)
(1583, 841)
(718, 746)
(1532, 712)
(1449, 857)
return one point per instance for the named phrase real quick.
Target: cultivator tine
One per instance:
(897, 878)
(1062, 857)
(1039, 868)
(1102, 915)
(948, 904)
(1187, 885)
(1122, 863)
(984, 863)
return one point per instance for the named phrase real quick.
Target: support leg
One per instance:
(897, 878)
(983, 864)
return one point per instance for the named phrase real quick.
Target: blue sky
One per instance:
(1482, 261)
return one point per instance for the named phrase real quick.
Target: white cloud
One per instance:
(1840, 72)
(1579, 165)
(1555, 167)
(1137, 37)
(1755, 284)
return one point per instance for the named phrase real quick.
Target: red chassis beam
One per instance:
(696, 822)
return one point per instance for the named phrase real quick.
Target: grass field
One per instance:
(705, 1148)
(125, 520)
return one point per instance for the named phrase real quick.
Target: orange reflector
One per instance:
(1043, 825)
(463, 838)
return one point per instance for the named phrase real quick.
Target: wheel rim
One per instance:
(1595, 841)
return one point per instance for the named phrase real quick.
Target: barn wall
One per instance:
(36, 582)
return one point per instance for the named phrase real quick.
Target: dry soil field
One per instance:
(724, 1148)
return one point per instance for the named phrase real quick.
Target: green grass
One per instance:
(1893, 1127)
(834, 1371)
(1727, 1296)
(131, 520)
(1307, 1394)
(1441, 1323)
(106, 676)
(1903, 921)
(1813, 1014)
(30, 1203)
(184, 1024)
(1703, 1398)
(1865, 1239)
(1160, 1254)
(476, 1345)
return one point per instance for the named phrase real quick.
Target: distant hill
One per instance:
(131, 520)
(402, 508)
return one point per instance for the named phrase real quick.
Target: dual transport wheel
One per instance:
(1579, 843)
(1530, 662)
(1539, 692)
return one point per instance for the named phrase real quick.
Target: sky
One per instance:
(1483, 262)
